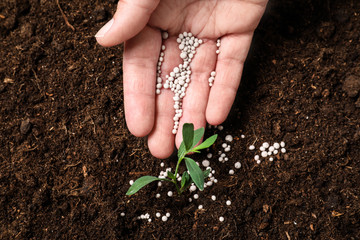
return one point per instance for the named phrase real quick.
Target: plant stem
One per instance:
(177, 165)
(177, 188)
(176, 171)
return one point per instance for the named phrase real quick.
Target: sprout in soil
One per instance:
(193, 174)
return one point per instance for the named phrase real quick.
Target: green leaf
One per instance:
(206, 173)
(195, 172)
(141, 182)
(187, 183)
(184, 179)
(171, 175)
(207, 143)
(182, 150)
(197, 136)
(188, 135)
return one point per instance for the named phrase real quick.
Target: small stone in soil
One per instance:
(25, 126)
(228, 202)
(221, 219)
(164, 218)
(231, 172)
(213, 197)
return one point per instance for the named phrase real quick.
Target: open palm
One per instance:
(139, 24)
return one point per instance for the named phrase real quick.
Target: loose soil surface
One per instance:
(66, 156)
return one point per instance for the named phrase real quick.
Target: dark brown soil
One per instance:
(66, 156)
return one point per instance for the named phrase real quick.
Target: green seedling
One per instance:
(193, 174)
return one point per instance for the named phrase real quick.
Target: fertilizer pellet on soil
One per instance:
(267, 151)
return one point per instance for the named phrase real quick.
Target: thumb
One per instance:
(130, 18)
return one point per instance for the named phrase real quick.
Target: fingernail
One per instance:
(105, 29)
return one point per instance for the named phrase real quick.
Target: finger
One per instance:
(130, 18)
(161, 139)
(229, 66)
(139, 66)
(195, 101)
